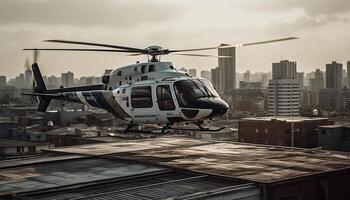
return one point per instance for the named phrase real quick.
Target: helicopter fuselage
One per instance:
(157, 101)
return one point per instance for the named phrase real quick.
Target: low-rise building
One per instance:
(278, 130)
(334, 137)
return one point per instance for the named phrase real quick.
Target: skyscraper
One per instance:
(206, 74)
(67, 79)
(284, 90)
(284, 70)
(192, 72)
(246, 76)
(348, 73)
(28, 78)
(2, 81)
(334, 75)
(300, 78)
(228, 65)
(216, 78)
(316, 84)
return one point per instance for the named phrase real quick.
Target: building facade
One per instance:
(334, 75)
(67, 79)
(228, 65)
(283, 97)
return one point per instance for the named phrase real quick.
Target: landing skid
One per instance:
(169, 127)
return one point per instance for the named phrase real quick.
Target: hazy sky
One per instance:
(322, 25)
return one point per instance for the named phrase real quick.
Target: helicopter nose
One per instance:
(220, 107)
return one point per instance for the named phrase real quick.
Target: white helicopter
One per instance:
(153, 92)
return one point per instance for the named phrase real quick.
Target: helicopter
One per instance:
(152, 92)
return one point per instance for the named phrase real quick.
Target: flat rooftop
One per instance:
(286, 119)
(5, 143)
(251, 162)
(65, 176)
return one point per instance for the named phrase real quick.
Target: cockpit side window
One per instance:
(165, 100)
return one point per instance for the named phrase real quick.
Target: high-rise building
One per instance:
(264, 80)
(284, 70)
(67, 79)
(206, 74)
(348, 73)
(246, 76)
(334, 75)
(300, 78)
(228, 65)
(284, 90)
(283, 97)
(28, 78)
(216, 78)
(192, 72)
(316, 84)
(2, 81)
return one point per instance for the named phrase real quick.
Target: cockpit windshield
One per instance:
(188, 90)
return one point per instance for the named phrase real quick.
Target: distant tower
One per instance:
(28, 78)
(67, 79)
(348, 72)
(228, 65)
(192, 72)
(284, 90)
(246, 76)
(2, 81)
(334, 75)
(206, 74)
(216, 79)
(316, 84)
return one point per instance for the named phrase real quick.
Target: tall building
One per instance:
(216, 78)
(284, 70)
(334, 75)
(283, 97)
(228, 65)
(284, 90)
(264, 80)
(246, 76)
(192, 72)
(206, 74)
(53, 82)
(348, 73)
(316, 84)
(300, 78)
(2, 81)
(67, 79)
(28, 78)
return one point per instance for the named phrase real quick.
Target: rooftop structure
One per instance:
(178, 168)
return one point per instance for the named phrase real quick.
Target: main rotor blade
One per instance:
(262, 42)
(199, 49)
(201, 55)
(136, 54)
(103, 50)
(99, 45)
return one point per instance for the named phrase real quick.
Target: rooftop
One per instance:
(5, 143)
(88, 177)
(286, 119)
(258, 163)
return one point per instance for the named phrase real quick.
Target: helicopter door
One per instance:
(142, 105)
(165, 102)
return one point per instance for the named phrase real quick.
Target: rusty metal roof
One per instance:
(259, 163)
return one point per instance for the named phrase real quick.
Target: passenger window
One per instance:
(151, 68)
(143, 68)
(119, 73)
(141, 97)
(165, 100)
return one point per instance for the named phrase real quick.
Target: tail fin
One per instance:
(44, 101)
(40, 84)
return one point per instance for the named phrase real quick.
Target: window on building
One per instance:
(165, 100)
(141, 97)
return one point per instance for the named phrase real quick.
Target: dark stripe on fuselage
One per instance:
(71, 96)
(90, 97)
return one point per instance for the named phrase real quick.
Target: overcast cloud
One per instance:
(322, 25)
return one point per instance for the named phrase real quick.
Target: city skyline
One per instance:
(317, 23)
